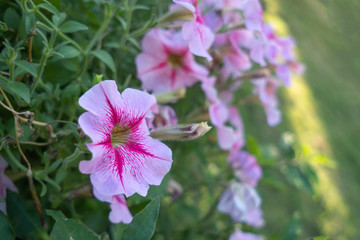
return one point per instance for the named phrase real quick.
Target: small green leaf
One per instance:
(20, 89)
(24, 221)
(3, 26)
(105, 57)
(65, 228)
(143, 225)
(69, 52)
(73, 26)
(11, 18)
(26, 66)
(47, 6)
(5, 231)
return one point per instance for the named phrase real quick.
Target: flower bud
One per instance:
(178, 14)
(181, 132)
(170, 97)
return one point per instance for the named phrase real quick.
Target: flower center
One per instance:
(175, 60)
(119, 135)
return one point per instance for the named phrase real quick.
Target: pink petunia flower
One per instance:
(266, 89)
(245, 167)
(235, 59)
(119, 209)
(166, 62)
(125, 158)
(239, 235)
(240, 201)
(196, 33)
(5, 183)
(229, 137)
(253, 15)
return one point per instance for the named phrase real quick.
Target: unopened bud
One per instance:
(97, 79)
(181, 132)
(170, 97)
(178, 14)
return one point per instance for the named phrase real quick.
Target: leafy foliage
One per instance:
(52, 52)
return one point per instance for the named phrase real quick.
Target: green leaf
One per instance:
(3, 26)
(73, 26)
(11, 18)
(24, 221)
(143, 225)
(47, 6)
(319, 238)
(117, 230)
(65, 228)
(5, 231)
(69, 52)
(296, 177)
(105, 57)
(58, 19)
(20, 90)
(26, 66)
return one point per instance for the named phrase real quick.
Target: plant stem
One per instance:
(44, 58)
(29, 172)
(12, 71)
(108, 16)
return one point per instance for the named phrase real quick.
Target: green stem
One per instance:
(52, 26)
(83, 69)
(43, 61)
(15, 161)
(72, 157)
(12, 70)
(108, 16)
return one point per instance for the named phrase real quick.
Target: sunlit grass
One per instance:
(309, 128)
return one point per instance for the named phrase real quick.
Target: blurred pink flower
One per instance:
(219, 115)
(166, 62)
(229, 137)
(235, 59)
(245, 167)
(196, 33)
(266, 89)
(239, 235)
(125, 158)
(208, 87)
(119, 209)
(161, 116)
(283, 72)
(240, 201)
(253, 15)
(5, 183)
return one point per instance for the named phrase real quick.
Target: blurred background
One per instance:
(322, 110)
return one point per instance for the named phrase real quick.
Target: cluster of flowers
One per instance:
(239, 46)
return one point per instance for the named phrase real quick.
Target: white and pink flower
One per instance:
(125, 158)
(166, 62)
(196, 33)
